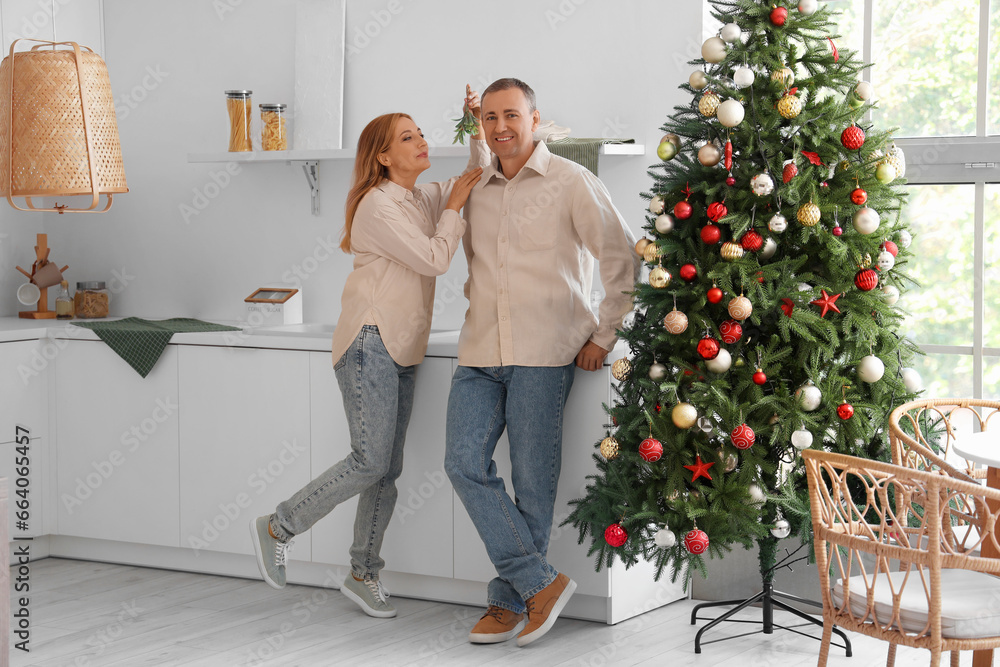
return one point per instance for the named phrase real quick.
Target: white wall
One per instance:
(602, 67)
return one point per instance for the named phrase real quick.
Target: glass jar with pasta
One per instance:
(272, 127)
(240, 108)
(91, 300)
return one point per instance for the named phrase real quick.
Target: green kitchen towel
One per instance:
(141, 342)
(584, 152)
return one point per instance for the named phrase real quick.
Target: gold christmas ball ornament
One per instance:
(640, 246)
(731, 251)
(785, 75)
(659, 277)
(621, 369)
(709, 155)
(684, 415)
(808, 214)
(676, 322)
(609, 448)
(698, 80)
(708, 104)
(740, 308)
(651, 253)
(790, 106)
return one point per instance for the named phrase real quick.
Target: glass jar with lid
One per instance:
(91, 300)
(272, 127)
(240, 108)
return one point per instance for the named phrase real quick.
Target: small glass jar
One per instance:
(240, 108)
(91, 300)
(64, 304)
(272, 127)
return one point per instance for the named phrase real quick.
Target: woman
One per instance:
(402, 235)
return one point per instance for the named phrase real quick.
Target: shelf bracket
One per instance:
(311, 169)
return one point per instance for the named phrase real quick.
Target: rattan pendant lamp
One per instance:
(58, 131)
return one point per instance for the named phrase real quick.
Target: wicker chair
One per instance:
(921, 432)
(881, 529)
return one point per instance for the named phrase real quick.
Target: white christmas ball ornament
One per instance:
(730, 113)
(890, 294)
(808, 7)
(809, 396)
(762, 185)
(886, 261)
(757, 496)
(911, 380)
(802, 439)
(743, 77)
(905, 239)
(656, 205)
(781, 529)
(871, 368)
(713, 50)
(777, 224)
(665, 538)
(657, 372)
(730, 32)
(866, 220)
(721, 363)
(770, 247)
(864, 90)
(698, 80)
(664, 223)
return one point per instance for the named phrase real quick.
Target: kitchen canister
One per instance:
(240, 108)
(273, 136)
(91, 300)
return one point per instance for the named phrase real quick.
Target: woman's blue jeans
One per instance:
(378, 397)
(529, 402)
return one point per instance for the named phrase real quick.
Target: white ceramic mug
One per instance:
(28, 294)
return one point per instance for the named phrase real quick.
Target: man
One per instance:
(536, 223)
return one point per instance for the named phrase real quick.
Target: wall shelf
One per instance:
(310, 159)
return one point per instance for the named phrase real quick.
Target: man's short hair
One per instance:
(508, 83)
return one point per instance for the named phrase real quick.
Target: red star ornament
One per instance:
(786, 307)
(827, 303)
(700, 469)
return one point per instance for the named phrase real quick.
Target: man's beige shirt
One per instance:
(531, 243)
(401, 240)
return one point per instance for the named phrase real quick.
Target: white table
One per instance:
(984, 448)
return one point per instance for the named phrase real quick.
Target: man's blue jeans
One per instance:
(378, 398)
(529, 402)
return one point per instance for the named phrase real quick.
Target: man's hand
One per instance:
(591, 356)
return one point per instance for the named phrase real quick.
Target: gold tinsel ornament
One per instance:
(621, 369)
(789, 106)
(708, 104)
(609, 448)
(808, 214)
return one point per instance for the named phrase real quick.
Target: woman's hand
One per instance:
(472, 101)
(463, 186)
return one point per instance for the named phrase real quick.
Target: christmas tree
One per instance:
(768, 322)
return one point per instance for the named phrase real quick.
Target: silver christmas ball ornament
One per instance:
(781, 529)
(730, 33)
(809, 396)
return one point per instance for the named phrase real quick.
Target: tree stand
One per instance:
(768, 598)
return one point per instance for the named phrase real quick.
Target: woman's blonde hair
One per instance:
(368, 171)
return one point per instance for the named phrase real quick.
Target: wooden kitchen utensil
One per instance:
(41, 262)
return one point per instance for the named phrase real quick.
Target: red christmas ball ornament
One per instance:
(615, 535)
(682, 210)
(759, 377)
(717, 211)
(853, 138)
(859, 196)
(845, 410)
(650, 450)
(689, 272)
(708, 348)
(731, 331)
(890, 248)
(789, 172)
(742, 437)
(710, 234)
(752, 241)
(730, 181)
(866, 279)
(779, 15)
(838, 230)
(696, 541)
(714, 295)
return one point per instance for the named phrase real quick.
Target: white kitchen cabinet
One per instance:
(24, 374)
(116, 446)
(244, 441)
(419, 537)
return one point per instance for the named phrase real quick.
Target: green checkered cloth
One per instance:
(141, 342)
(584, 152)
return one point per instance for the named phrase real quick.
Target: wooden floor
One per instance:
(86, 613)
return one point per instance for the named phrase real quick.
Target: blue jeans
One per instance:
(528, 401)
(378, 397)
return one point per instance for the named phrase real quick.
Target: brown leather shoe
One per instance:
(497, 625)
(544, 608)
